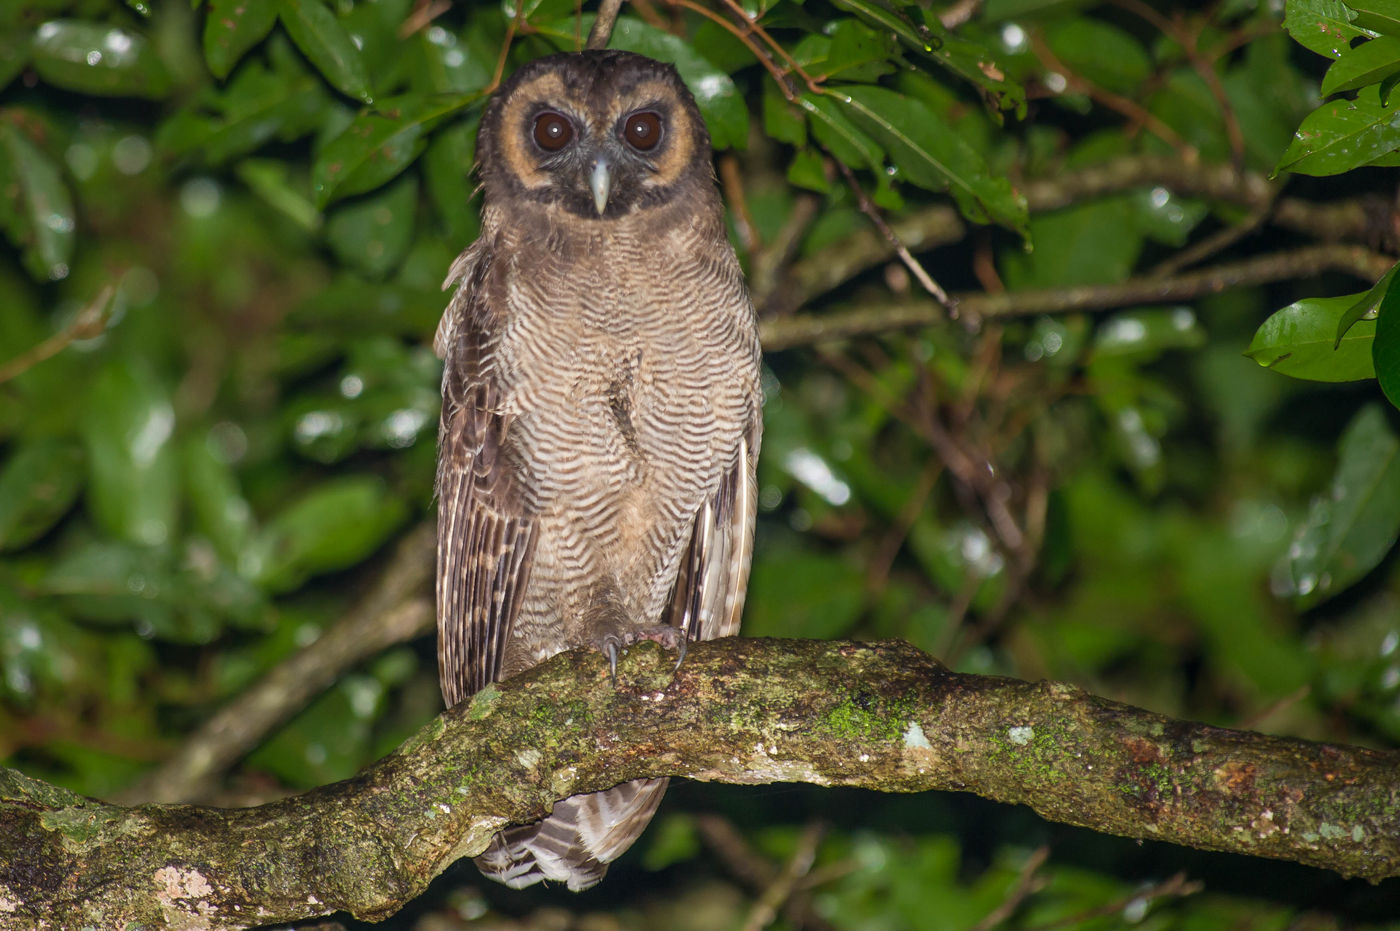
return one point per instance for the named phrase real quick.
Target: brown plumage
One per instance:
(601, 410)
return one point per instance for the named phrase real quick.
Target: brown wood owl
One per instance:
(601, 410)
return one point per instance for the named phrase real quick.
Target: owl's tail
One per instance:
(577, 841)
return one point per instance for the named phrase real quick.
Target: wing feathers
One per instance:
(708, 598)
(486, 542)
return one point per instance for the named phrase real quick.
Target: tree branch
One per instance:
(397, 608)
(881, 715)
(1364, 220)
(785, 333)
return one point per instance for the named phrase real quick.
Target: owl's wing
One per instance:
(714, 573)
(485, 540)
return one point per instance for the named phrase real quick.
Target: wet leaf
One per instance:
(1381, 16)
(447, 167)
(1301, 341)
(336, 525)
(921, 31)
(379, 144)
(1343, 134)
(326, 44)
(221, 512)
(134, 486)
(94, 58)
(839, 136)
(1145, 334)
(1351, 527)
(1098, 52)
(373, 233)
(932, 155)
(232, 27)
(14, 55)
(39, 216)
(1385, 353)
(1323, 26)
(39, 482)
(1368, 63)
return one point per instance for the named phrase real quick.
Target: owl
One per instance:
(601, 410)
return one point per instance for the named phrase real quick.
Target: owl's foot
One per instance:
(669, 637)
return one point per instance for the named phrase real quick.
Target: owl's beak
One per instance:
(600, 181)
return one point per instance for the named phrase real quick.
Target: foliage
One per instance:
(227, 225)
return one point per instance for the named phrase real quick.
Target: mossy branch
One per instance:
(882, 715)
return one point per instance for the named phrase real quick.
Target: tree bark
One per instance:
(880, 715)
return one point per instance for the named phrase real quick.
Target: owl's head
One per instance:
(600, 134)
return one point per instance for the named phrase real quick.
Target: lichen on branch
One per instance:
(884, 716)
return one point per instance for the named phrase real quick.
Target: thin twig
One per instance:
(733, 180)
(1027, 884)
(511, 27)
(959, 13)
(780, 77)
(601, 32)
(88, 324)
(868, 208)
(1116, 102)
(765, 910)
(757, 873)
(1176, 887)
(424, 12)
(742, 15)
(769, 261)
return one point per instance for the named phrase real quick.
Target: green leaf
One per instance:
(185, 598)
(849, 50)
(447, 167)
(1094, 242)
(95, 58)
(1368, 63)
(373, 234)
(38, 216)
(14, 55)
(379, 144)
(1385, 353)
(1301, 341)
(921, 31)
(38, 485)
(220, 511)
(1368, 304)
(336, 525)
(781, 120)
(1145, 334)
(932, 155)
(232, 27)
(839, 136)
(134, 486)
(271, 180)
(1103, 54)
(1343, 134)
(808, 170)
(1381, 16)
(1323, 26)
(257, 106)
(326, 44)
(448, 64)
(1351, 527)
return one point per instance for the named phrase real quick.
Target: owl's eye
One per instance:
(642, 130)
(553, 131)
